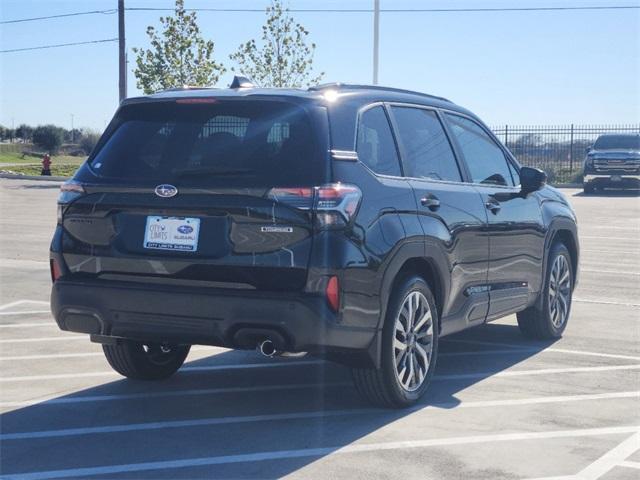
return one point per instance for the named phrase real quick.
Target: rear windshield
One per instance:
(227, 143)
(610, 142)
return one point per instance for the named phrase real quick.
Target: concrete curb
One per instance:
(16, 176)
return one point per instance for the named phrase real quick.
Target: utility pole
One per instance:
(72, 136)
(376, 38)
(122, 52)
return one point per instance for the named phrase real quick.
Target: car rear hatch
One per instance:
(200, 191)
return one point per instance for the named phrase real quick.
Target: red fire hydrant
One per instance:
(46, 165)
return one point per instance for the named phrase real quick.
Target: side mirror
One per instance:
(531, 180)
(588, 149)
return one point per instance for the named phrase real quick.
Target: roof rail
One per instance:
(348, 86)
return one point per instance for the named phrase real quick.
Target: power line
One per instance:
(335, 10)
(303, 10)
(399, 10)
(59, 45)
(63, 15)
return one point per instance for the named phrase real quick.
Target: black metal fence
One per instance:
(558, 150)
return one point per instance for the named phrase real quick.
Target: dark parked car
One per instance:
(613, 161)
(356, 223)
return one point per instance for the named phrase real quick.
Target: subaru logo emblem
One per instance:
(166, 190)
(185, 229)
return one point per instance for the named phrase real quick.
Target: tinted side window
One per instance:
(485, 159)
(375, 146)
(426, 146)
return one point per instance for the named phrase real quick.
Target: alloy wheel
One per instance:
(559, 291)
(413, 341)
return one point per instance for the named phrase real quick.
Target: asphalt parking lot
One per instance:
(499, 406)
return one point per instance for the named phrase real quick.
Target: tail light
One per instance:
(69, 191)
(334, 204)
(301, 198)
(332, 293)
(56, 272)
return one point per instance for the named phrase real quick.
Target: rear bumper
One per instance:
(205, 316)
(612, 180)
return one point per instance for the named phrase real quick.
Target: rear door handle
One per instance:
(493, 206)
(431, 202)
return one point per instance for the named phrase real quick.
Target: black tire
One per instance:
(588, 189)
(145, 361)
(538, 323)
(382, 386)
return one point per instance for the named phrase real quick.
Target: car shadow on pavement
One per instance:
(229, 404)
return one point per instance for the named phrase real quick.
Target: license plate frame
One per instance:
(176, 234)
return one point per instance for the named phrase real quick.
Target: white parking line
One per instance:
(21, 358)
(216, 350)
(609, 460)
(319, 452)
(28, 325)
(543, 371)
(606, 302)
(22, 302)
(611, 227)
(240, 366)
(453, 376)
(612, 272)
(57, 400)
(547, 349)
(44, 339)
(200, 422)
(28, 312)
(593, 237)
(51, 356)
(611, 251)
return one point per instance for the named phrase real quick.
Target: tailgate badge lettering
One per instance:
(274, 229)
(166, 191)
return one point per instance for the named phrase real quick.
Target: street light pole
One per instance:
(376, 38)
(122, 71)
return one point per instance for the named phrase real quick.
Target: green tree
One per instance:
(88, 140)
(48, 137)
(9, 134)
(178, 55)
(24, 132)
(283, 58)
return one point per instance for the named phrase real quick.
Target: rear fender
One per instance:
(404, 254)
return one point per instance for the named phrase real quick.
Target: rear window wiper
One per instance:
(182, 172)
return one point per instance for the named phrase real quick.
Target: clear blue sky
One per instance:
(509, 67)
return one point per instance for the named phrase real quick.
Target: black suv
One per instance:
(356, 223)
(613, 161)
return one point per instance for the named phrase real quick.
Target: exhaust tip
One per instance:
(267, 348)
